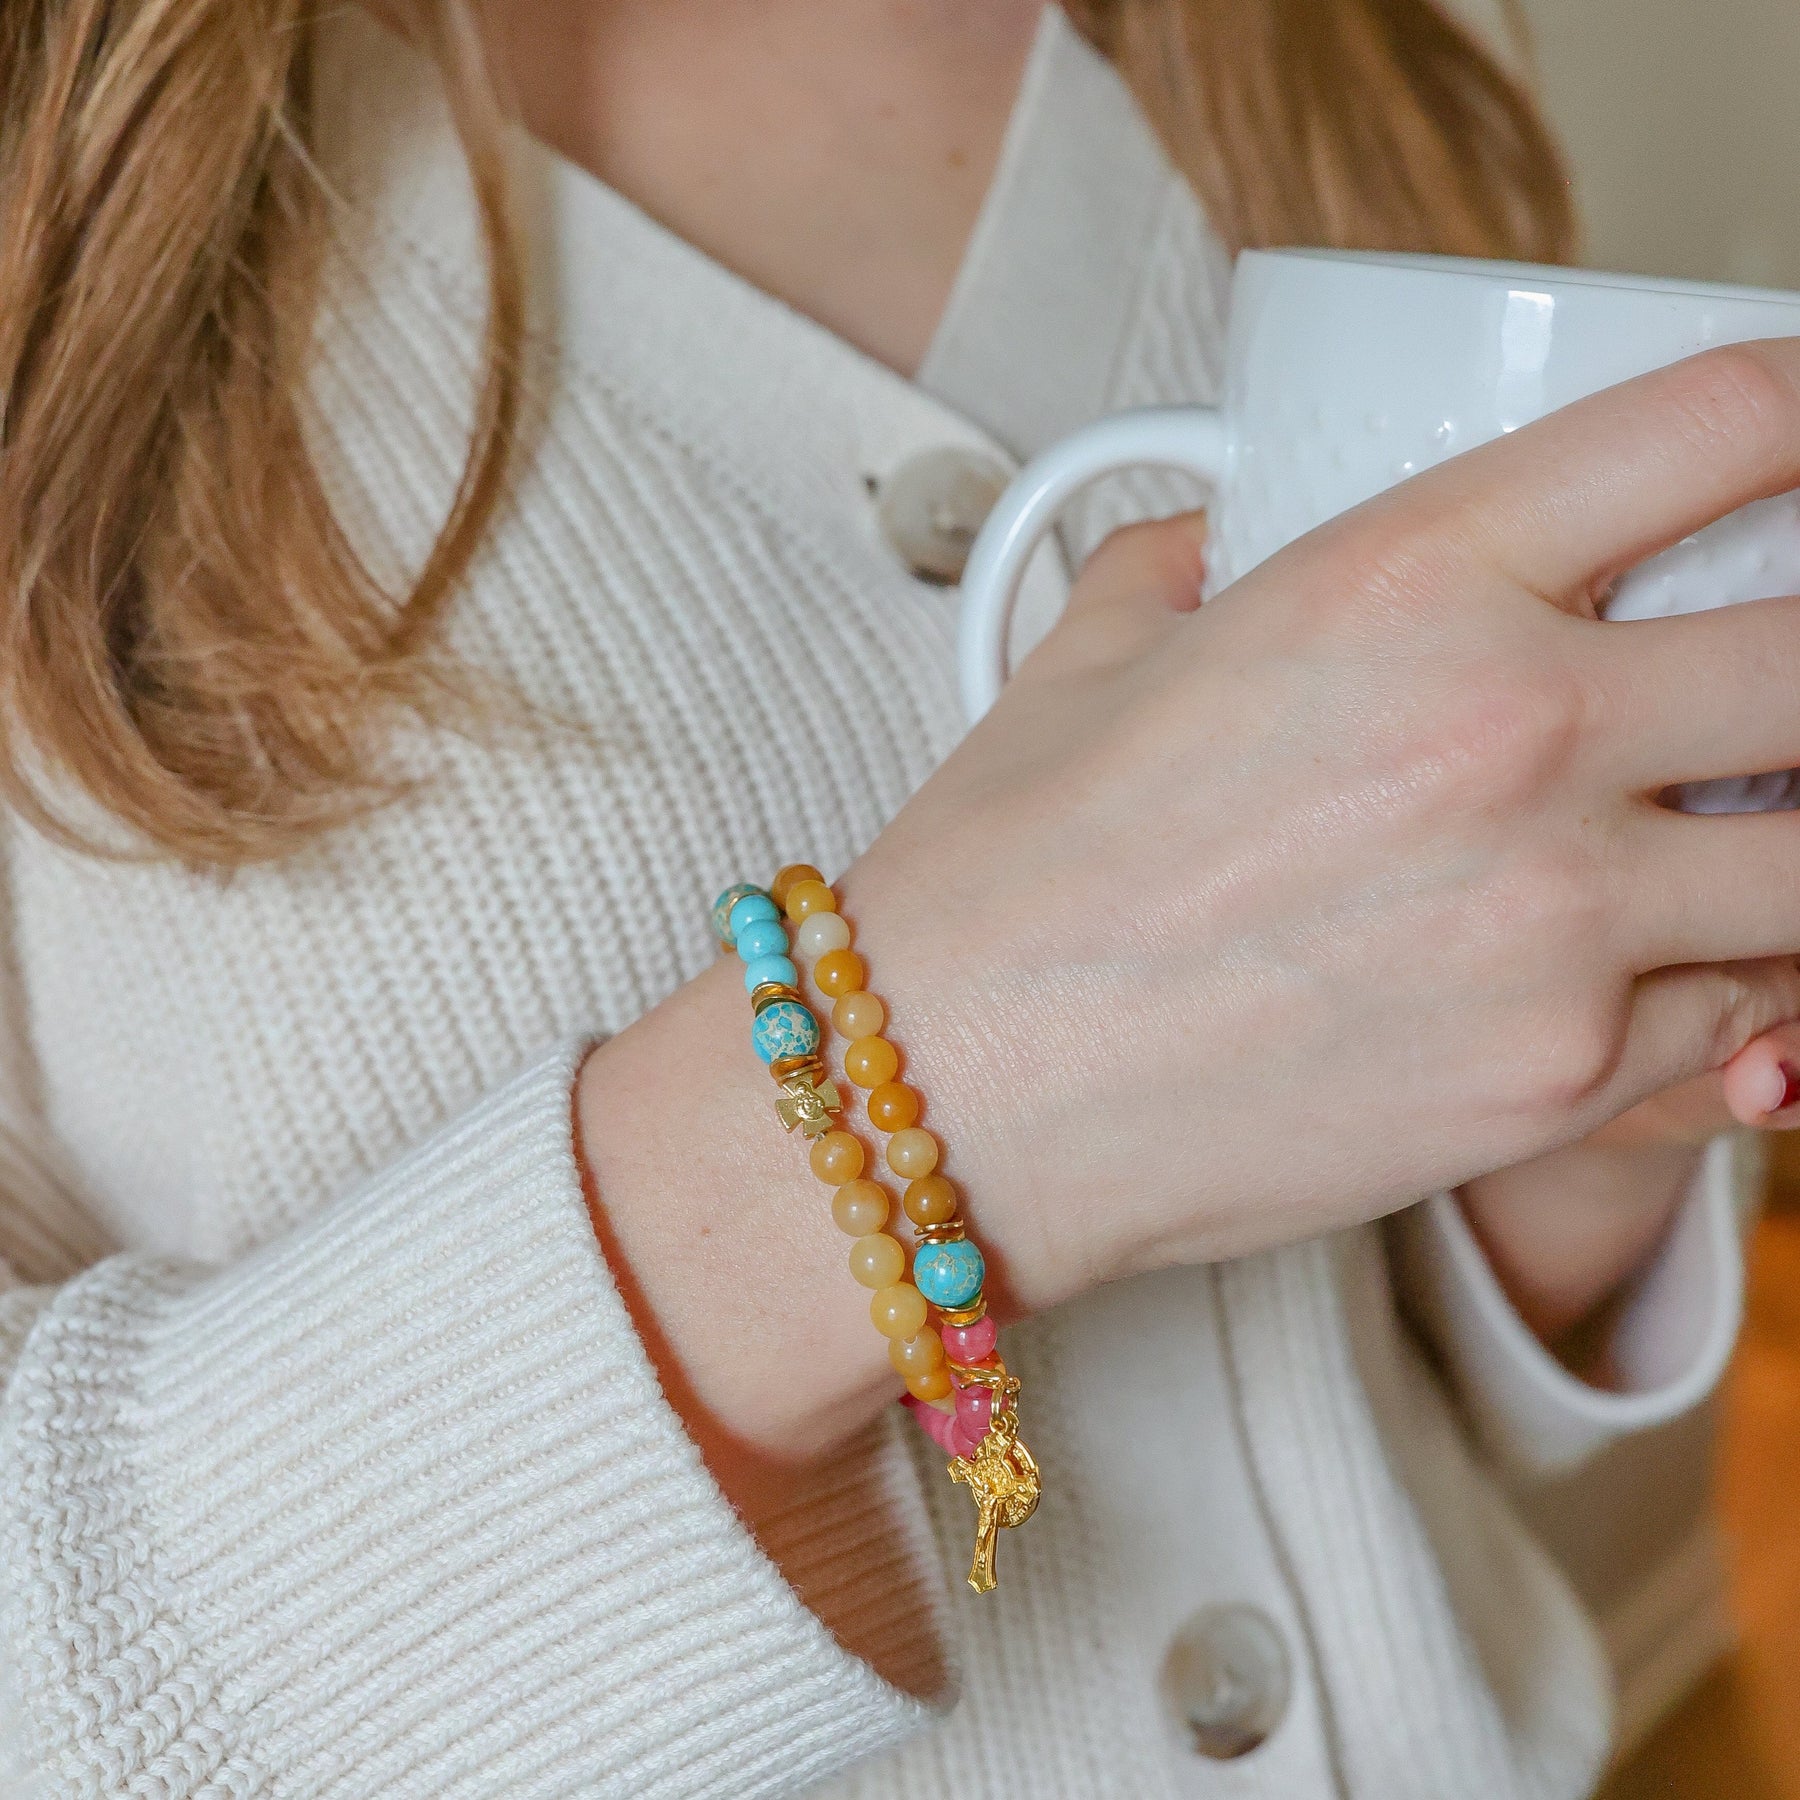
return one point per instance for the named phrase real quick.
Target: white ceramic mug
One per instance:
(1346, 373)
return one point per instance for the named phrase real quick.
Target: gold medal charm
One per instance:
(1002, 1476)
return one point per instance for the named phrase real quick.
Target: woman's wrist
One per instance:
(719, 1241)
(720, 1238)
(937, 987)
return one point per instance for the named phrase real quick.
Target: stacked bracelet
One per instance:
(958, 1386)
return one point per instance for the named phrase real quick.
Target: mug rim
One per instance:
(1463, 268)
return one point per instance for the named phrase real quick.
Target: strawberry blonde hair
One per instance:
(187, 637)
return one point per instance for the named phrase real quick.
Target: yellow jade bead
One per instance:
(838, 972)
(898, 1311)
(930, 1200)
(859, 1207)
(893, 1106)
(934, 1384)
(858, 1016)
(821, 932)
(917, 1355)
(790, 878)
(912, 1152)
(877, 1261)
(808, 897)
(870, 1061)
(837, 1157)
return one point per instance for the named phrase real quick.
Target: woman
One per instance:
(407, 1445)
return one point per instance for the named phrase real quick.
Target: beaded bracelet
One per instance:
(958, 1386)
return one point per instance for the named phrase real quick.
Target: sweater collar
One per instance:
(1034, 326)
(1038, 312)
(1037, 318)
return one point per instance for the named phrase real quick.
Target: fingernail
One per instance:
(1775, 1089)
(1790, 1087)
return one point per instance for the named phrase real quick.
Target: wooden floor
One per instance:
(1738, 1736)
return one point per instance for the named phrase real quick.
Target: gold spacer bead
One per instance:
(952, 1231)
(785, 1068)
(966, 1315)
(762, 998)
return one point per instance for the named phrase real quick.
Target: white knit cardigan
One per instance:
(329, 1462)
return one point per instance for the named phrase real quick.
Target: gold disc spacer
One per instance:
(772, 991)
(965, 1315)
(949, 1231)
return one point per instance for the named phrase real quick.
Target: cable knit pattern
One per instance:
(330, 1465)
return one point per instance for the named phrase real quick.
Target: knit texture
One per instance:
(345, 1475)
(395, 1507)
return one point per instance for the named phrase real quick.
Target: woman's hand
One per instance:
(1225, 928)
(1564, 1231)
(1228, 927)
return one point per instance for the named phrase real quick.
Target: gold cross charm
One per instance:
(808, 1099)
(1003, 1480)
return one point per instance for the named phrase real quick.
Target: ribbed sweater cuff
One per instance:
(396, 1507)
(1670, 1339)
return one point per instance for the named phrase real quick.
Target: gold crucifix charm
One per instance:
(1003, 1480)
(808, 1100)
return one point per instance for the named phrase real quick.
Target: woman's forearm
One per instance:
(722, 1241)
(1565, 1231)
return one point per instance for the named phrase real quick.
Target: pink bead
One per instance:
(975, 1408)
(940, 1427)
(965, 1443)
(970, 1343)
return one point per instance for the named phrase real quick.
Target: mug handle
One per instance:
(1194, 438)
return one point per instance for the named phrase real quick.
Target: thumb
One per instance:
(1160, 562)
(1129, 592)
(1686, 1021)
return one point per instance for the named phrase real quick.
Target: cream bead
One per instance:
(934, 1384)
(912, 1152)
(870, 1061)
(877, 1261)
(820, 933)
(857, 1015)
(916, 1356)
(898, 1311)
(837, 1157)
(859, 1207)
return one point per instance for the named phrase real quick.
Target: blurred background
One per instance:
(1683, 129)
(1681, 120)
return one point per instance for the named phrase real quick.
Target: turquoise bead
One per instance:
(761, 937)
(784, 1029)
(721, 909)
(948, 1275)
(749, 909)
(770, 968)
